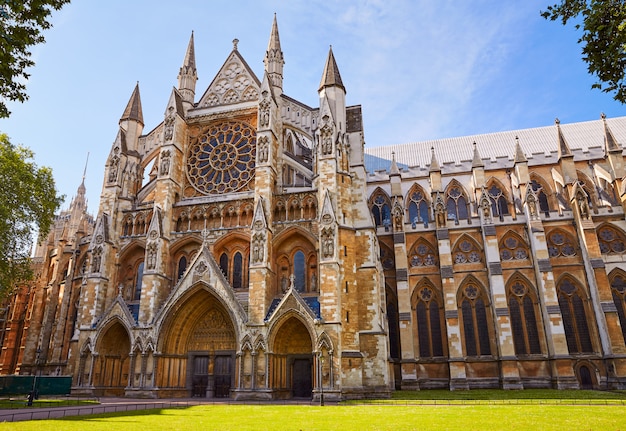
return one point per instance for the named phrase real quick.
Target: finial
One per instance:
(557, 121)
(85, 171)
(235, 42)
(603, 115)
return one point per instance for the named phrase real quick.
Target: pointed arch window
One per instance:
(381, 210)
(618, 289)
(561, 244)
(418, 208)
(499, 205)
(299, 271)
(429, 315)
(456, 204)
(466, 251)
(393, 323)
(512, 248)
(422, 255)
(475, 323)
(387, 258)
(237, 281)
(138, 282)
(182, 266)
(544, 206)
(523, 312)
(224, 264)
(573, 309)
(611, 241)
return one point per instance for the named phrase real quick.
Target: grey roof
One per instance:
(536, 143)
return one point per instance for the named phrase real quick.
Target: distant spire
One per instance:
(610, 144)
(564, 150)
(477, 161)
(187, 75)
(274, 59)
(331, 76)
(519, 154)
(133, 110)
(434, 164)
(81, 188)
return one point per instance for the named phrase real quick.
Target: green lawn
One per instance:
(346, 417)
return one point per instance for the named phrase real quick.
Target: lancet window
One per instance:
(523, 312)
(572, 303)
(430, 323)
(475, 322)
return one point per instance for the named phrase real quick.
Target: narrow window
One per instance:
(138, 282)
(299, 271)
(237, 271)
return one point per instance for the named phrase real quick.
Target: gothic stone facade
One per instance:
(268, 254)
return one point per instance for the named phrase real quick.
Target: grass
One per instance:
(548, 410)
(345, 417)
(20, 403)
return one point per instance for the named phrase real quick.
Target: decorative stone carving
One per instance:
(168, 131)
(151, 257)
(263, 149)
(258, 243)
(96, 259)
(165, 162)
(397, 218)
(328, 242)
(113, 169)
(264, 110)
(326, 136)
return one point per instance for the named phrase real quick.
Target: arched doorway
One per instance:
(199, 349)
(293, 360)
(585, 379)
(112, 365)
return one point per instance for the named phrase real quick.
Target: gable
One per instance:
(234, 83)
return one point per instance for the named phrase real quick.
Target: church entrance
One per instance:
(212, 376)
(301, 378)
(293, 360)
(586, 381)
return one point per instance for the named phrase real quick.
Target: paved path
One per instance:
(115, 405)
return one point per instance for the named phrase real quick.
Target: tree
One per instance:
(21, 25)
(603, 40)
(28, 202)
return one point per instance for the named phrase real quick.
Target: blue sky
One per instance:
(421, 69)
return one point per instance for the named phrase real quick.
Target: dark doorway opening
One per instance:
(586, 381)
(302, 386)
(200, 377)
(222, 374)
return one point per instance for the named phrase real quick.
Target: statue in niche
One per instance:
(397, 218)
(441, 216)
(327, 140)
(96, 259)
(165, 162)
(283, 284)
(113, 168)
(151, 260)
(264, 111)
(313, 282)
(583, 205)
(263, 149)
(531, 201)
(328, 243)
(168, 133)
(257, 248)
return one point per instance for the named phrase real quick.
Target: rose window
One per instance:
(221, 158)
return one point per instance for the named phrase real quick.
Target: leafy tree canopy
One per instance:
(21, 25)
(603, 39)
(28, 202)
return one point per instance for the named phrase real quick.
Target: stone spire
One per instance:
(434, 164)
(133, 111)
(477, 161)
(610, 144)
(519, 154)
(187, 76)
(393, 170)
(331, 76)
(564, 150)
(274, 59)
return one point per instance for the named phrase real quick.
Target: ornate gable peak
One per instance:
(259, 221)
(175, 104)
(155, 229)
(327, 215)
(326, 114)
(101, 231)
(266, 89)
(234, 83)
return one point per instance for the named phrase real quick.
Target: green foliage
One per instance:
(28, 201)
(21, 26)
(603, 40)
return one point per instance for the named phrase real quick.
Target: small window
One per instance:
(138, 282)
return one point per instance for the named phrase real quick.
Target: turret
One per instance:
(132, 120)
(274, 60)
(331, 88)
(187, 76)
